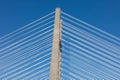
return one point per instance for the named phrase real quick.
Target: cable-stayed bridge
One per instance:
(85, 52)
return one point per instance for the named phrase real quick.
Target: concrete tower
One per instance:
(55, 59)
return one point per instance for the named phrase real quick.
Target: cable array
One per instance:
(26, 52)
(88, 53)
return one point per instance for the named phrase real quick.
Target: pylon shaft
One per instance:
(55, 59)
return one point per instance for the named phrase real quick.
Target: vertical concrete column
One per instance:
(55, 59)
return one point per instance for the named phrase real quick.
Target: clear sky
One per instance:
(26, 54)
(104, 14)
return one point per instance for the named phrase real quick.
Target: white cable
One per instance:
(91, 26)
(13, 39)
(31, 71)
(93, 71)
(28, 54)
(91, 38)
(110, 53)
(25, 60)
(44, 77)
(79, 69)
(95, 32)
(2, 38)
(19, 33)
(37, 74)
(13, 72)
(105, 52)
(20, 63)
(75, 75)
(5, 54)
(79, 49)
(81, 72)
(107, 42)
(89, 63)
(21, 41)
(18, 50)
(35, 50)
(65, 75)
(48, 44)
(99, 54)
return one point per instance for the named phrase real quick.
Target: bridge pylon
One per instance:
(55, 58)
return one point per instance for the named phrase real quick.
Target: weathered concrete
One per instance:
(55, 59)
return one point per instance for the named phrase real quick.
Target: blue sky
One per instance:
(98, 54)
(105, 14)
